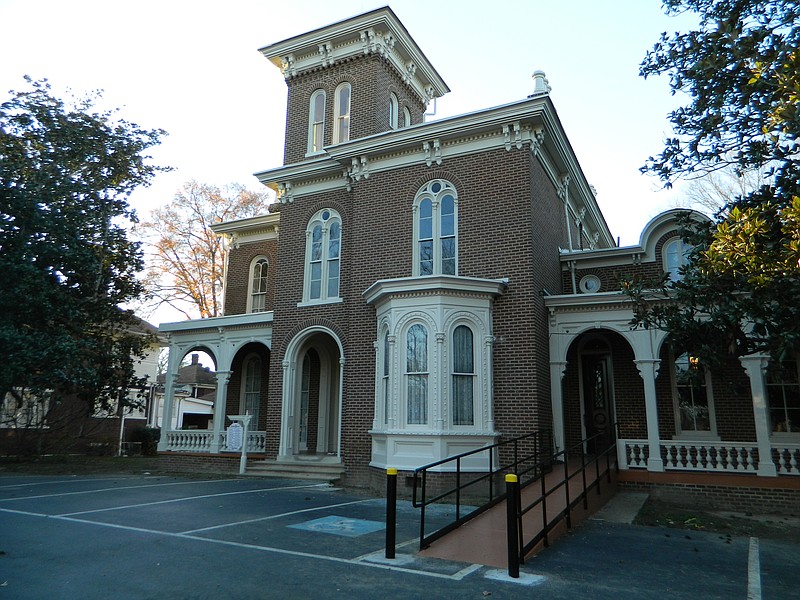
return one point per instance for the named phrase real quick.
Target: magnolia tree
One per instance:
(740, 69)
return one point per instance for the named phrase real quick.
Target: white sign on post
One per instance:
(235, 437)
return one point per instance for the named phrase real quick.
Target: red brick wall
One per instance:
(238, 274)
(371, 79)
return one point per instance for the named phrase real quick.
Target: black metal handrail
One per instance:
(529, 467)
(611, 462)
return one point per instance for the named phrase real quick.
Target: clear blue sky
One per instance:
(193, 69)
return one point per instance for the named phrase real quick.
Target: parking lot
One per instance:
(166, 537)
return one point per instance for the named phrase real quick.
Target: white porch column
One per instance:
(755, 365)
(648, 369)
(166, 420)
(557, 369)
(220, 403)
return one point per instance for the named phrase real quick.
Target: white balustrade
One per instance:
(200, 440)
(729, 457)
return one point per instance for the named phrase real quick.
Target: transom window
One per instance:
(417, 375)
(436, 226)
(675, 254)
(258, 285)
(323, 254)
(691, 388)
(783, 396)
(463, 376)
(316, 122)
(341, 131)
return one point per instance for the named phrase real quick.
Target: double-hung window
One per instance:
(691, 388)
(341, 108)
(323, 256)
(436, 229)
(251, 390)
(417, 375)
(258, 285)
(316, 122)
(463, 376)
(783, 396)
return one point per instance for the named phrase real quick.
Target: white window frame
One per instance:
(779, 436)
(428, 373)
(313, 123)
(434, 191)
(678, 257)
(325, 259)
(394, 111)
(406, 117)
(251, 292)
(452, 374)
(711, 433)
(341, 118)
(246, 405)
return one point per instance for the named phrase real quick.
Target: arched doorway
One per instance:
(311, 416)
(597, 391)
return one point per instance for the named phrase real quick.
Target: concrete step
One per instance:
(317, 471)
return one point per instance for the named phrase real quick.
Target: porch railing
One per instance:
(200, 440)
(729, 457)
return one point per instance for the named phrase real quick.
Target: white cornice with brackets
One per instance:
(377, 32)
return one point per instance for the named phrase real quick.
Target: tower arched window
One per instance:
(406, 117)
(323, 256)
(394, 111)
(436, 229)
(341, 111)
(675, 253)
(316, 122)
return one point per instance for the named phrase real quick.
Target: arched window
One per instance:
(406, 117)
(316, 122)
(675, 253)
(435, 229)
(417, 375)
(394, 111)
(463, 376)
(341, 131)
(258, 285)
(251, 389)
(323, 252)
(385, 378)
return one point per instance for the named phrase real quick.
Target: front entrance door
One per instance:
(597, 401)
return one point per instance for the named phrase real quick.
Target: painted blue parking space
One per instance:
(162, 537)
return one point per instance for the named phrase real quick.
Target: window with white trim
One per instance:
(463, 376)
(316, 122)
(435, 229)
(406, 117)
(394, 111)
(417, 375)
(323, 255)
(257, 294)
(341, 111)
(692, 396)
(675, 253)
(385, 377)
(251, 388)
(783, 396)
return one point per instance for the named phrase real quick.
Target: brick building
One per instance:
(428, 288)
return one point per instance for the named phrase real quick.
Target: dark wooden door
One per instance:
(597, 401)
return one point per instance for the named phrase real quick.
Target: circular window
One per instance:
(590, 284)
(326, 215)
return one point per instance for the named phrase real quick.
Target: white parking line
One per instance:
(113, 489)
(349, 561)
(753, 571)
(57, 481)
(187, 498)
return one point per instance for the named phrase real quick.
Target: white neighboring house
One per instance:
(195, 390)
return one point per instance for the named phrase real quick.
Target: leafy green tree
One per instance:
(66, 172)
(741, 71)
(187, 268)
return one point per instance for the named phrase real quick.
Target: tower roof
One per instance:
(376, 32)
